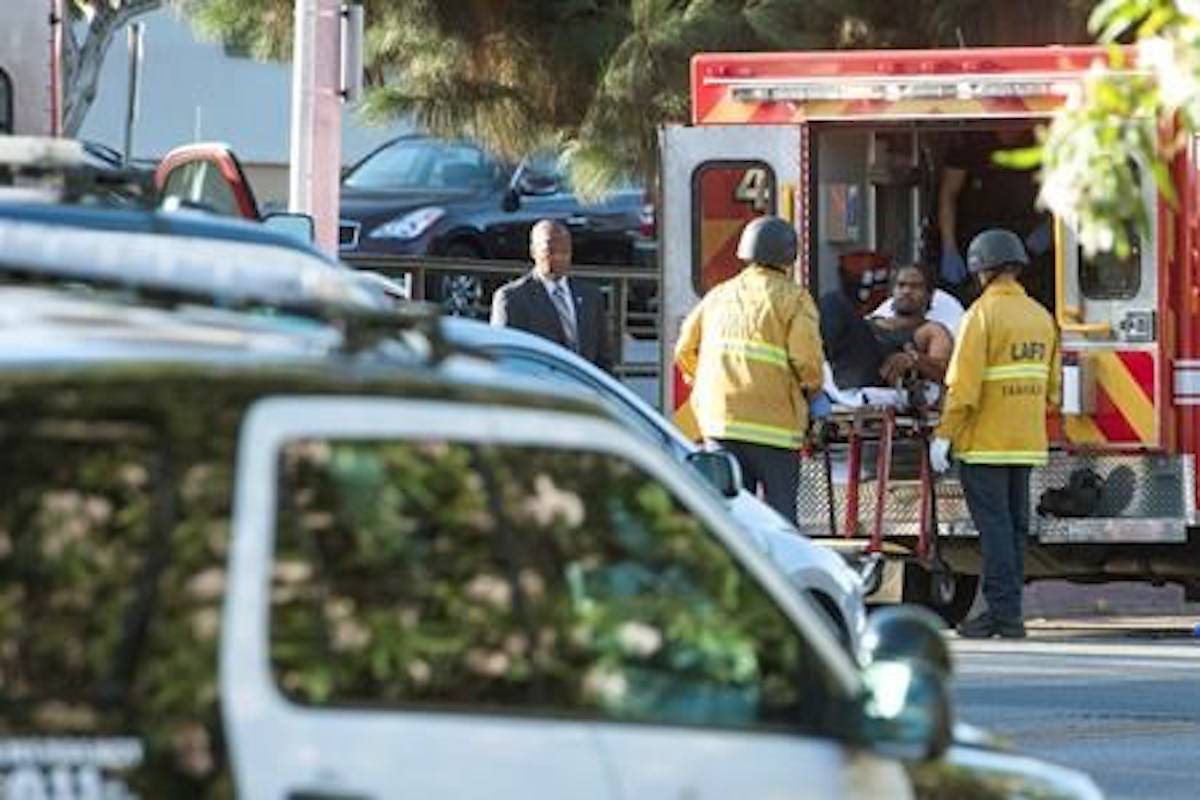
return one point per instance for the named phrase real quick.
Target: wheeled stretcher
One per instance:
(854, 430)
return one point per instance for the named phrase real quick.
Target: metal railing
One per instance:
(631, 297)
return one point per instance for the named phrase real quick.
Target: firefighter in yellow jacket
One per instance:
(1003, 374)
(751, 350)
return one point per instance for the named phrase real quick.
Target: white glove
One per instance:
(939, 454)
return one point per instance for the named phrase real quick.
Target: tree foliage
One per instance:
(82, 57)
(600, 76)
(1125, 121)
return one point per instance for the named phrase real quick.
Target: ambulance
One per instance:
(850, 146)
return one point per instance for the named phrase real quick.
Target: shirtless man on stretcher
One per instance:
(884, 352)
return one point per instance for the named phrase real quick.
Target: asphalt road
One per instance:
(1122, 705)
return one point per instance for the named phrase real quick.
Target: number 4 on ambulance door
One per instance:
(755, 188)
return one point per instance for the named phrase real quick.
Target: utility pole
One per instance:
(136, 56)
(316, 146)
(58, 13)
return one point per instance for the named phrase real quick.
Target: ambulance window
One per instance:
(725, 196)
(1107, 276)
(527, 580)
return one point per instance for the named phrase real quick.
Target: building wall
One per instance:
(25, 58)
(192, 90)
(270, 184)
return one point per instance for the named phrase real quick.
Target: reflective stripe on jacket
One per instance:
(750, 349)
(1004, 372)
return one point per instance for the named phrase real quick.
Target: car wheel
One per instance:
(951, 596)
(460, 294)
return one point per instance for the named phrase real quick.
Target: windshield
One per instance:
(426, 165)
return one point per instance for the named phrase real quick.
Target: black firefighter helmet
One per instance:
(768, 240)
(994, 249)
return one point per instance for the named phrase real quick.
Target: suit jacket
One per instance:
(525, 304)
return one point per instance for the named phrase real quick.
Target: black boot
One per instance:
(1014, 629)
(977, 627)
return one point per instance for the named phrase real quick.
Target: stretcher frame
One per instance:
(854, 426)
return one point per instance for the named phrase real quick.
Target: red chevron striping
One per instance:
(1141, 367)
(769, 112)
(1111, 421)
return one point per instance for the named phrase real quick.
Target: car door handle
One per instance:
(577, 220)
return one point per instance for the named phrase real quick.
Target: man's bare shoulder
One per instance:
(931, 328)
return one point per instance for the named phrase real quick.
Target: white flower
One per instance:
(531, 584)
(419, 672)
(549, 502)
(490, 589)
(492, 663)
(133, 475)
(1155, 53)
(207, 585)
(293, 571)
(98, 509)
(605, 685)
(205, 624)
(350, 636)
(339, 608)
(639, 639)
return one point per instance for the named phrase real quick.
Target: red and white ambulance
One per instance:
(847, 145)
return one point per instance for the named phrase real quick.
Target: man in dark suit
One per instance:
(545, 302)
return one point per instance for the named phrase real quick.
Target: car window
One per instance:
(180, 180)
(201, 183)
(523, 580)
(407, 165)
(111, 541)
(547, 171)
(630, 414)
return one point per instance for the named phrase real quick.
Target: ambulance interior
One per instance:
(875, 206)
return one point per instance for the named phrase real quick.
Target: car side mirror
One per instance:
(537, 183)
(511, 201)
(906, 633)
(294, 224)
(719, 468)
(906, 710)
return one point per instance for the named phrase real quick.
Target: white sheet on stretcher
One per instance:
(871, 395)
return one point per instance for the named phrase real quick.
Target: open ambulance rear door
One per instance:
(715, 179)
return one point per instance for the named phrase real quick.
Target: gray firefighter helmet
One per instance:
(768, 240)
(995, 248)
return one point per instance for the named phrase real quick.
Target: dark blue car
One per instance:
(422, 196)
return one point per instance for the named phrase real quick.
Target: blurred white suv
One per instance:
(820, 573)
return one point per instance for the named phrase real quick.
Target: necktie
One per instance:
(562, 304)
